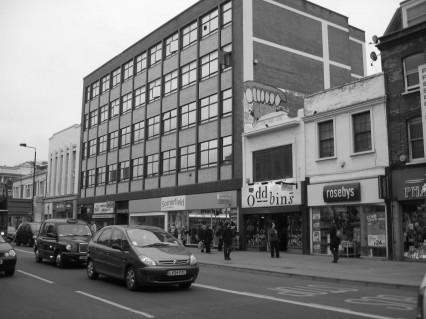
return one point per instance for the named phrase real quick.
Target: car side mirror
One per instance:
(52, 235)
(116, 246)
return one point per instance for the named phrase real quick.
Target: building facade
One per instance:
(62, 174)
(403, 56)
(162, 122)
(346, 160)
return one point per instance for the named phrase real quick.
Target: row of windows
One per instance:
(189, 35)
(209, 109)
(167, 162)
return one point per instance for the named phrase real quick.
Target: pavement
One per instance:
(376, 272)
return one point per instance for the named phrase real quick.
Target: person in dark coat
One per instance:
(219, 234)
(227, 241)
(274, 241)
(207, 238)
(334, 241)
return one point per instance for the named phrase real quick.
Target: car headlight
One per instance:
(68, 247)
(192, 260)
(11, 253)
(147, 261)
(2, 233)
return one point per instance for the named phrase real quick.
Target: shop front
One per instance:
(409, 213)
(184, 215)
(272, 202)
(63, 209)
(103, 214)
(360, 214)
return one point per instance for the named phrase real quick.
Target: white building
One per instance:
(62, 175)
(346, 158)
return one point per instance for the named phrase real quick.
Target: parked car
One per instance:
(140, 255)
(7, 257)
(26, 233)
(421, 300)
(62, 241)
(11, 231)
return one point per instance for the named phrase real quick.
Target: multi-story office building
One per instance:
(62, 174)
(403, 55)
(162, 122)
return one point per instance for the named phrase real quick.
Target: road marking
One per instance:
(389, 301)
(311, 290)
(116, 305)
(37, 277)
(24, 251)
(303, 304)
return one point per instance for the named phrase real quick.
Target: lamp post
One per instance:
(34, 170)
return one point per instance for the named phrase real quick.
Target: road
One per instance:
(42, 291)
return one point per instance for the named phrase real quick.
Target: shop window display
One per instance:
(414, 232)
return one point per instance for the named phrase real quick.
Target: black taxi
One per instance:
(62, 241)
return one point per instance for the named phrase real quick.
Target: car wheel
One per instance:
(37, 257)
(59, 260)
(91, 273)
(131, 280)
(18, 243)
(30, 243)
(10, 272)
(185, 285)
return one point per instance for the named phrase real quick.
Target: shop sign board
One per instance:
(224, 198)
(269, 195)
(104, 208)
(383, 187)
(173, 203)
(342, 193)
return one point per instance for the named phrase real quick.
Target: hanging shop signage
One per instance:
(173, 203)
(224, 199)
(383, 187)
(342, 193)
(422, 83)
(268, 195)
(104, 208)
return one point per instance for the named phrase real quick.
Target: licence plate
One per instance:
(83, 257)
(1, 261)
(176, 272)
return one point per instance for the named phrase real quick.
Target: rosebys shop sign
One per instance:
(268, 195)
(342, 193)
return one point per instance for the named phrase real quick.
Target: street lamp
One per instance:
(34, 170)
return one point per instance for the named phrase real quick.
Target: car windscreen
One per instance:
(151, 238)
(74, 230)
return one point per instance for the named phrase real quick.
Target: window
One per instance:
(124, 171)
(93, 118)
(126, 103)
(116, 77)
(128, 70)
(84, 151)
(138, 132)
(104, 113)
(86, 121)
(362, 132)
(112, 173)
(189, 35)
(100, 175)
(113, 140)
(187, 158)
(227, 13)
(91, 178)
(168, 162)
(326, 139)
(413, 12)
(209, 23)
(152, 165)
(208, 154)
(225, 56)
(137, 168)
(105, 84)
(155, 54)
(92, 147)
(83, 179)
(154, 90)
(169, 121)
(95, 89)
(87, 94)
(411, 71)
(172, 45)
(102, 144)
(273, 163)
(125, 135)
(170, 82)
(226, 150)
(188, 115)
(188, 74)
(139, 97)
(114, 109)
(140, 63)
(226, 102)
(208, 108)
(154, 126)
(415, 138)
(209, 65)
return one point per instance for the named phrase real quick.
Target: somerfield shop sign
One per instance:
(342, 193)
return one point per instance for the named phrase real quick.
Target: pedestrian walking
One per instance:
(274, 241)
(219, 235)
(207, 238)
(334, 241)
(93, 227)
(227, 241)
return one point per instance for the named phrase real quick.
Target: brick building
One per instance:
(162, 122)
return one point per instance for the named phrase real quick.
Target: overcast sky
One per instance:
(47, 47)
